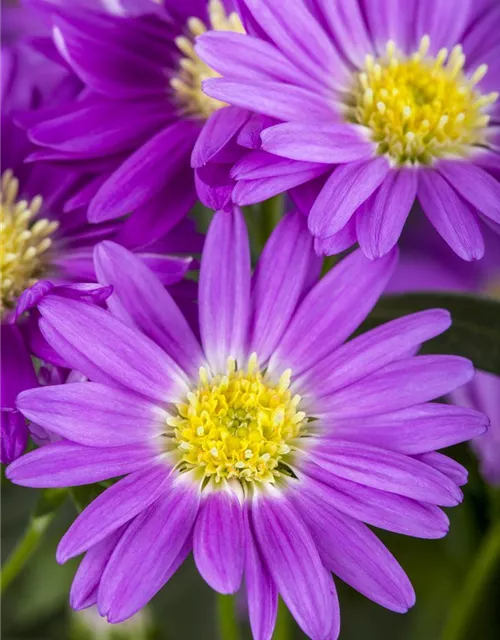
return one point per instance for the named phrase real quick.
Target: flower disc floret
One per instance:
(187, 85)
(420, 107)
(24, 243)
(238, 425)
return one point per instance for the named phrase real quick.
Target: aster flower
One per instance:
(40, 240)
(264, 448)
(431, 266)
(378, 103)
(143, 112)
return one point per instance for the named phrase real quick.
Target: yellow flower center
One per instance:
(239, 425)
(420, 107)
(24, 243)
(187, 85)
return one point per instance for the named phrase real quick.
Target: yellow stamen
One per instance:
(419, 107)
(237, 425)
(24, 243)
(187, 85)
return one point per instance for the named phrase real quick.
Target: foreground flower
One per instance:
(377, 103)
(265, 448)
(430, 266)
(143, 113)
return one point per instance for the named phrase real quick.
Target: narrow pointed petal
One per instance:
(140, 300)
(113, 508)
(224, 296)
(219, 541)
(294, 564)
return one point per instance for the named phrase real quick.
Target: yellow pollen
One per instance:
(187, 84)
(419, 107)
(237, 425)
(24, 242)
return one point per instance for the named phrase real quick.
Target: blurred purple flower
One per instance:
(431, 266)
(375, 104)
(265, 447)
(40, 240)
(142, 112)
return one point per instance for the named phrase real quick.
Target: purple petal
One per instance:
(349, 549)
(301, 38)
(317, 142)
(274, 99)
(378, 508)
(398, 385)
(276, 292)
(419, 429)
(293, 561)
(333, 310)
(386, 470)
(475, 185)
(450, 468)
(64, 464)
(14, 435)
(123, 354)
(139, 299)
(344, 191)
(374, 349)
(382, 217)
(339, 242)
(225, 289)
(442, 22)
(16, 366)
(453, 218)
(93, 414)
(219, 129)
(152, 549)
(262, 593)
(143, 175)
(237, 55)
(113, 508)
(219, 541)
(83, 592)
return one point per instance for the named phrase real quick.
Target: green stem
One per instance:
(271, 211)
(462, 611)
(226, 614)
(283, 627)
(50, 499)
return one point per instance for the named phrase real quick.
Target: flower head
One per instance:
(265, 447)
(142, 113)
(372, 111)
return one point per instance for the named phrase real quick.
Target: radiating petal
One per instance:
(140, 300)
(344, 191)
(64, 464)
(219, 541)
(283, 272)
(93, 414)
(294, 563)
(453, 218)
(224, 296)
(151, 550)
(333, 310)
(349, 549)
(113, 508)
(386, 470)
(122, 353)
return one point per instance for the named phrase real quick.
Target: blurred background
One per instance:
(457, 581)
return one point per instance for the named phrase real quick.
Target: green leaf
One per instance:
(474, 334)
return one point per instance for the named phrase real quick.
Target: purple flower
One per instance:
(42, 240)
(265, 447)
(431, 266)
(375, 104)
(142, 113)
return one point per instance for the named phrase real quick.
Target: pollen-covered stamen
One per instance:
(238, 425)
(420, 107)
(24, 243)
(187, 85)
